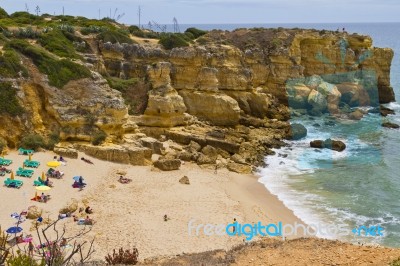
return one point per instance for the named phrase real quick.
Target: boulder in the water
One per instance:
(297, 131)
(335, 145)
(386, 111)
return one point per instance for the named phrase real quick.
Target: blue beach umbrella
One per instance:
(76, 178)
(14, 230)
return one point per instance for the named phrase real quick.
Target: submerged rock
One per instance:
(356, 115)
(390, 125)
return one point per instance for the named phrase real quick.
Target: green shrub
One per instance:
(22, 259)
(170, 41)
(98, 137)
(52, 140)
(134, 92)
(56, 42)
(3, 13)
(59, 72)
(66, 27)
(32, 141)
(24, 18)
(134, 30)
(92, 29)
(121, 85)
(276, 43)
(196, 32)
(3, 144)
(26, 33)
(114, 36)
(202, 40)
(8, 100)
(10, 63)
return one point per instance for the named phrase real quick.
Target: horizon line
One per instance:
(268, 23)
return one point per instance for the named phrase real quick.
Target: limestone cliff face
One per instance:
(219, 83)
(244, 80)
(74, 110)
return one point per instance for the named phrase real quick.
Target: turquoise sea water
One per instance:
(360, 186)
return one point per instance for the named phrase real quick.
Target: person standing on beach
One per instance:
(234, 222)
(30, 249)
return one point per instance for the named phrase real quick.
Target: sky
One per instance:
(220, 11)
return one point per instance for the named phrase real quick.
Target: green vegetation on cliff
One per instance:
(3, 13)
(98, 137)
(8, 100)
(195, 32)
(121, 85)
(114, 36)
(134, 91)
(136, 31)
(173, 40)
(10, 65)
(32, 141)
(59, 72)
(56, 42)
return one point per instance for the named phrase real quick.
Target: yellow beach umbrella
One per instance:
(30, 156)
(43, 188)
(12, 176)
(43, 177)
(53, 164)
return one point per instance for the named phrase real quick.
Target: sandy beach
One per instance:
(129, 215)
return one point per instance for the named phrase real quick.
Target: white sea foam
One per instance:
(285, 169)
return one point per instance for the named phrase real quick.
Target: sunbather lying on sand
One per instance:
(124, 180)
(86, 160)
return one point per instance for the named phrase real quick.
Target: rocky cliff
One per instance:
(224, 97)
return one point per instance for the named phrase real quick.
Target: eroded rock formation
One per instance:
(229, 95)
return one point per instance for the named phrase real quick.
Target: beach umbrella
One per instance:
(53, 164)
(43, 177)
(14, 230)
(43, 188)
(12, 175)
(30, 156)
(76, 178)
